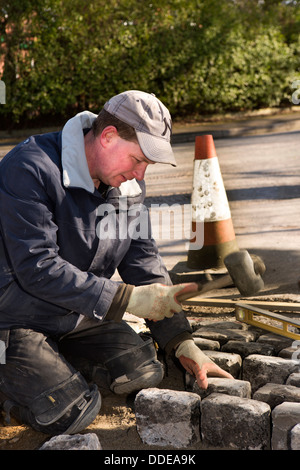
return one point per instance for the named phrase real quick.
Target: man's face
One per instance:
(116, 160)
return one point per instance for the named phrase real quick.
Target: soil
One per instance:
(115, 426)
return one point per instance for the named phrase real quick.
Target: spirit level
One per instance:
(266, 320)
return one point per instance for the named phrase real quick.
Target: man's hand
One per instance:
(157, 301)
(198, 364)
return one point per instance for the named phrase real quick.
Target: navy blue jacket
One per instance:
(50, 246)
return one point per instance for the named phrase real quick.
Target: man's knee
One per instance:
(66, 409)
(134, 369)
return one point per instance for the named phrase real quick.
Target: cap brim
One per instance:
(156, 149)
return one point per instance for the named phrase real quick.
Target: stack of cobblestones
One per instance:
(259, 409)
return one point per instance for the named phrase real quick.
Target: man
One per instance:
(60, 311)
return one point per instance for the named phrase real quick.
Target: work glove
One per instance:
(198, 364)
(157, 301)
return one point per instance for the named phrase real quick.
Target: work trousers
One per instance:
(36, 364)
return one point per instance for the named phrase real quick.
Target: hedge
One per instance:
(198, 57)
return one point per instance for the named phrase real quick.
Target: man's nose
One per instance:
(139, 171)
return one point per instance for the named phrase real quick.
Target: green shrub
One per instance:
(61, 57)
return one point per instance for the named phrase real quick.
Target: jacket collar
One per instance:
(75, 168)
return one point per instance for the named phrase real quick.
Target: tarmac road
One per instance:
(261, 175)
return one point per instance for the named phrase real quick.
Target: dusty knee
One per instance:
(134, 369)
(68, 408)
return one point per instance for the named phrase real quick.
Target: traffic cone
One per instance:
(210, 210)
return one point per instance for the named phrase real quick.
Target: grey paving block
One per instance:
(232, 422)
(259, 370)
(167, 417)
(88, 441)
(234, 387)
(275, 394)
(284, 418)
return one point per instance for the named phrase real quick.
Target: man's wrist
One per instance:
(173, 344)
(119, 303)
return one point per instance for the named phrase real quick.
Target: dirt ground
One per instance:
(115, 425)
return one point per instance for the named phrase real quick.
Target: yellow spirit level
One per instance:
(266, 320)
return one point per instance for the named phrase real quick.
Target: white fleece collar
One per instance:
(75, 168)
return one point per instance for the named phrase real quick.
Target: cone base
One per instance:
(211, 256)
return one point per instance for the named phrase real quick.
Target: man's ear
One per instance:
(108, 135)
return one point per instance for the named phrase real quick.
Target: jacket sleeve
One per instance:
(29, 234)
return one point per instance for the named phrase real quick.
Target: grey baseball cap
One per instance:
(150, 119)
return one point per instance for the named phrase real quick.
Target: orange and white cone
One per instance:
(210, 210)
